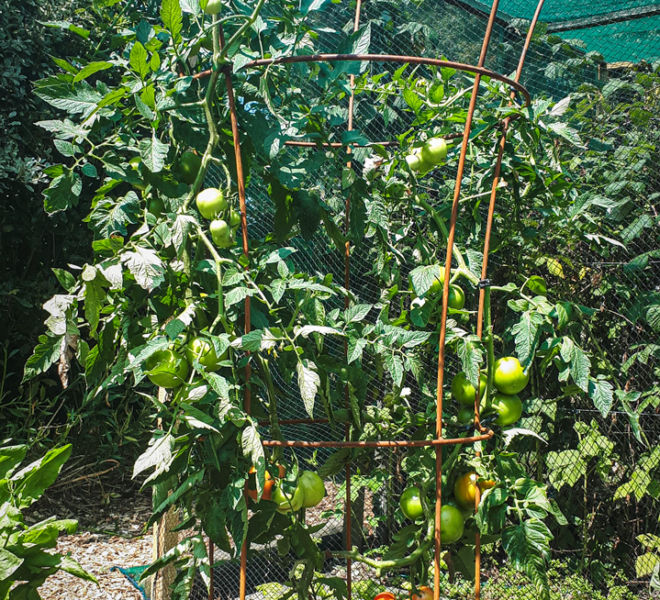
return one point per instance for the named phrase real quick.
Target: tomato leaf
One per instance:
(422, 278)
(95, 294)
(153, 152)
(527, 545)
(138, 60)
(308, 383)
(334, 463)
(394, 366)
(251, 445)
(45, 354)
(565, 468)
(527, 335)
(469, 350)
(170, 13)
(9, 563)
(578, 362)
(90, 69)
(356, 347)
(157, 456)
(602, 394)
(62, 193)
(145, 265)
(357, 312)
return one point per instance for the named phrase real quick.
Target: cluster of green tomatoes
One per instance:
(431, 154)
(306, 492)
(169, 368)
(509, 378)
(212, 205)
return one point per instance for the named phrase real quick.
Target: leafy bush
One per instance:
(25, 562)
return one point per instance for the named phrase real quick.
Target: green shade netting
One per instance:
(632, 35)
(627, 41)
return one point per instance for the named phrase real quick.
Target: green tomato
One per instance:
(189, 165)
(288, 501)
(155, 206)
(312, 487)
(167, 369)
(464, 391)
(451, 524)
(207, 43)
(509, 377)
(210, 202)
(508, 409)
(434, 151)
(411, 503)
(465, 415)
(221, 233)
(211, 7)
(202, 349)
(437, 93)
(456, 297)
(438, 281)
(414, 161)
(234, 218)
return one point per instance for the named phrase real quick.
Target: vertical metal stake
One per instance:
(445, 296)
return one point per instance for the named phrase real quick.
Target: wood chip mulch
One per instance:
(112, 513)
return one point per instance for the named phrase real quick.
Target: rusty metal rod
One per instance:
(416, 60)
(347, 280)
(379, 443)
(309, 144)
(211, 560)
(484, 267)
(240, 182)
(478, 69)
(445, 296)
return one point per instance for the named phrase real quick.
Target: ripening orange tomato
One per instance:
(268, 484)
(423, 593)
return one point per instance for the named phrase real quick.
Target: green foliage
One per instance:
(147, 90)
(25, 562)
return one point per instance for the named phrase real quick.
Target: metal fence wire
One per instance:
(597, 469)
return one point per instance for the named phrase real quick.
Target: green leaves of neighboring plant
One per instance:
(24, 562)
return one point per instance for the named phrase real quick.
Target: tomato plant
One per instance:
(268, 314)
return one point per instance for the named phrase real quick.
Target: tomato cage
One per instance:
(316, 433)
